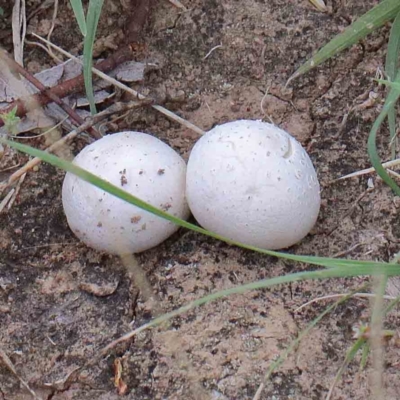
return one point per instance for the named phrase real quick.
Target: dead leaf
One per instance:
(97, 290)
(118, 382)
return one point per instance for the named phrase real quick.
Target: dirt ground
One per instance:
(61, 302)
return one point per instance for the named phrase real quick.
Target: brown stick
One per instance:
(69, 87)
(39, 85)
(135, 24)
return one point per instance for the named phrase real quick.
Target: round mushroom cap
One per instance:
(253, 183)
(143, 166)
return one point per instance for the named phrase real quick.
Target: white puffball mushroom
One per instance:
(140, 164)
(252, 182)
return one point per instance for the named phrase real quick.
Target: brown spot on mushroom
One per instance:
(161, 171)
(135, 219)
(166, 206)
(124, 181)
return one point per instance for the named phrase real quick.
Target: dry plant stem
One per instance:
(178, 4)
(6, 199)
(52, 55)
(53, 22)
(334, 296)
(91, 121)
(10, 366)
(19, 30)
(377, 388)
(68, 87)
(162, 110)
(139, 279)
(17, 190)
(260, 389)
(388, 164)
(39, 85)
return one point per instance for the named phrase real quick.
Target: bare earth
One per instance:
(61, 302)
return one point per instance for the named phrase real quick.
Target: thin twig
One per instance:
(39, 85)
(19, 30)
(17, 190)
(68, 87)
(178, 4)
(210, 52)
(52, 55)
(334, 296)
(259, 391)
(163, 110)
(51, 129)
(6, 199)
(388, 164)
(53, 22)
(8, 363)
(377, 389)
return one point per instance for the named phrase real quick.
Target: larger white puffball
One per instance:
(143, 166)
(253, 183)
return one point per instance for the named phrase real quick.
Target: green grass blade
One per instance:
(391, 305)
(385, 11)
(116, 191)
(391, 100)
(304, 333)
(77, 7)
(392, 56)
(93, 16)
(393, 85)
(364, 356)
(263, 284)
(351, 353)
(393, 48)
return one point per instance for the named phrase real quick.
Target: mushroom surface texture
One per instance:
(140, 164)
(252, 182)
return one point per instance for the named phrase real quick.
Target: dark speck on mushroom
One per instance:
(135, 219)
(124, 181)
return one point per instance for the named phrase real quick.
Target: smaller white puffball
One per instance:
(253, 183)
(140, 164)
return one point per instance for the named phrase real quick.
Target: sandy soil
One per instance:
(61, 302)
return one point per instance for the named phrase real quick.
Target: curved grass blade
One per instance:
(383, 12)
(364, 357)
(391, 305)
(392, 53)
(388, 269)
(360, 343)
(304, 333)
(77, 7)
(346, 268)
(116, 191)
(392, 56)
(391, 100)
(93, 16)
